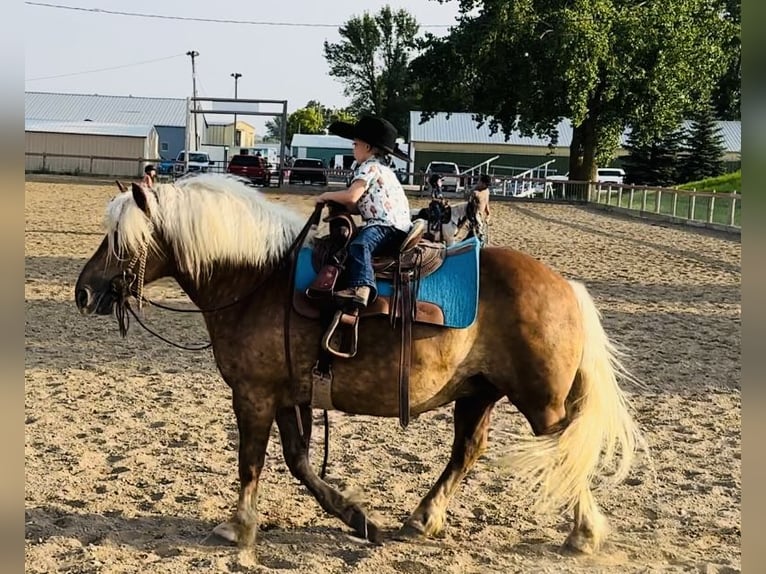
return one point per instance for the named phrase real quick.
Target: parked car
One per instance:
(199, 162)
(165, 167)
(451, 172)
(610, 175)
(307, 170)
(253, 167)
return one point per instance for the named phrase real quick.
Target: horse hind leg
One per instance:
(295, 450)
(472, 416)
(595, 434)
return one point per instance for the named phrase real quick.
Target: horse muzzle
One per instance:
(89, 302)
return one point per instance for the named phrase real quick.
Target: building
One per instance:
(87, 147)
(224, 134)
(458, 139)
(318, 146)
(167, 115)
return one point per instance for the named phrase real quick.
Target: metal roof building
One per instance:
(88, 147)
(457, 138)
(107, 109)
(167, 115)
(318, 146)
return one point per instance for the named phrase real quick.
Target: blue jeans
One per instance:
(371, 240)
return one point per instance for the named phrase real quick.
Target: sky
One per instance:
(86, 52)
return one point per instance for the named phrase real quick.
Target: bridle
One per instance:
(130, 283)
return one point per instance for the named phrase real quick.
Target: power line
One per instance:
(104, 69)
(213, 20)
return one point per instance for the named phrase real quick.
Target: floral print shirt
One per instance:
(383, 201)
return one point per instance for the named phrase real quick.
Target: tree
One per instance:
(313, 118)
(656, 161)
(604, 64)
(372, 62)
(704, 150)
(727, 96)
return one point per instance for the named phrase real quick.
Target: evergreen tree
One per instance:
(654, 161)
(704, 150)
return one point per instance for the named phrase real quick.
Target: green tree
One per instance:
(313, 118)
(371, 60)
(704, 150)
(727, 96)
(656, 161)
(604, 64)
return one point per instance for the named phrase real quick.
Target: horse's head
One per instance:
(130, 255)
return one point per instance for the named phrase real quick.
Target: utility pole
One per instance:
(193, 54)
(236, 76)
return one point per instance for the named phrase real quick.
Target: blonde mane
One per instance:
(206, 219)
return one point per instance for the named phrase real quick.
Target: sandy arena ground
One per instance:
(131, 444)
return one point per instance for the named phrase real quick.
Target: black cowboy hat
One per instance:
(377, 132)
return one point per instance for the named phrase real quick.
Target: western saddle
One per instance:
(415, 258)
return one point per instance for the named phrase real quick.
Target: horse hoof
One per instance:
(409, 532)
(580, 543)
(227, 531)
(366, 529)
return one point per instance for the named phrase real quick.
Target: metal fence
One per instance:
(711, 209)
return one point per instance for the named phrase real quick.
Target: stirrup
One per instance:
(345, 328)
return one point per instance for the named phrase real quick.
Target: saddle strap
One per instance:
(405, 350)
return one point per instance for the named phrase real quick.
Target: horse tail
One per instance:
(599, 438)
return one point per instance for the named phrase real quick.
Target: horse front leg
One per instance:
(295, 449)
(255, 415)
(472, 416)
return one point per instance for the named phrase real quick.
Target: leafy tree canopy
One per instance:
(313, 118)
(604, 64)
(371, 60)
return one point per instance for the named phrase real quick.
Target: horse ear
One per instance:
(120, 186)
(139, 195)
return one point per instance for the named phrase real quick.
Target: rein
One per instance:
(292, 257)
(130, 283)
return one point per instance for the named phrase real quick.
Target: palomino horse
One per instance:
(537, 341)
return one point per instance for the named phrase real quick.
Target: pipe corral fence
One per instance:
(715, 210)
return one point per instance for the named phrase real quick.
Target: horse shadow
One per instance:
(170, 536)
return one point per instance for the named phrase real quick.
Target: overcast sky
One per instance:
(75, 51)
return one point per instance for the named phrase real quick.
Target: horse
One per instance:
(537, 341)
(444, 222)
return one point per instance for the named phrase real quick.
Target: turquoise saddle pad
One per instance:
(454, 287)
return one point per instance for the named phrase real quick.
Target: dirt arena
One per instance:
(131, 444)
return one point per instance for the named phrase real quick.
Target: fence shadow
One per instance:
(694, 255)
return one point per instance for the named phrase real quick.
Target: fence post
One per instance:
(619, 196)
(630, 199)
(643, 200)
(692, 203)
(675, 202)
(710, 208)
(91, 165)
(732, 210)
(658, 195)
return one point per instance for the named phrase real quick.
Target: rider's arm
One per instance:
(346, 197)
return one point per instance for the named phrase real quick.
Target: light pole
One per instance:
(193, 54)
(236, 76)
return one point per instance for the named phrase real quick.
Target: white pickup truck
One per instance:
(199, 162)
(451, 173)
